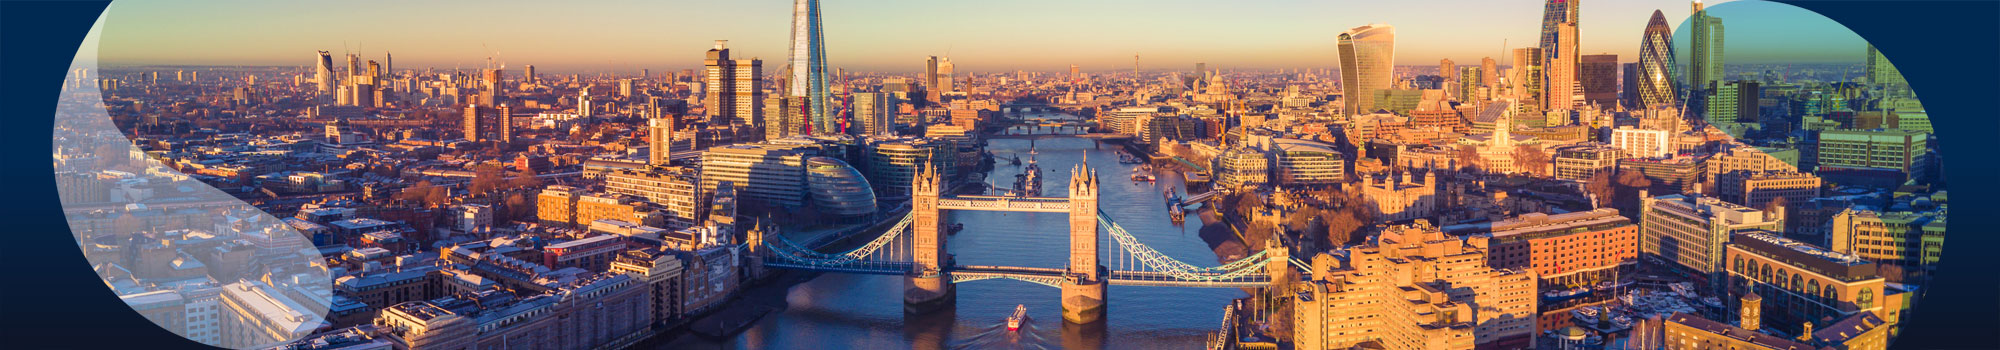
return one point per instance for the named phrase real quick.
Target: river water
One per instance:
(843, 311)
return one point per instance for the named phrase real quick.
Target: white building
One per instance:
(1642, 143)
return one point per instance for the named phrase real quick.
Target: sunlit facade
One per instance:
(1367, 61)
(1656, 64)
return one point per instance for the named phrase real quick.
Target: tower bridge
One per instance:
(915, 248)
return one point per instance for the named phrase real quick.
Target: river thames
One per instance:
(843, 311)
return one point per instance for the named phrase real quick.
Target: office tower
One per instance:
(353, 65)
(374, 73)
(875, 113)
(1599, 76)
(1073, 70)
(364, 95)
(1628, 82)
(626, 87)
(784, 116)
(1470, 79)
(1705, 53)
(1656, 65)
(1367, 60)
(947, 80)
(732, 93)
(931, 91)
(1200, 68)
(660, 139)
(1558, 51)
(529, 74)
(471, 122)
(1733, 102)
(504, 119)
(1527, 66)
(1559, 70)
(808, 78)
(1883, 74)
(1446, 69)
(489, 79)
(1489, 72)
(323, 76)
(388, 63)
(645, 73)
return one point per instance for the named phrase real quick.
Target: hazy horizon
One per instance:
(894, 36)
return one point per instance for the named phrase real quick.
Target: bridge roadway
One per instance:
(1052, 277)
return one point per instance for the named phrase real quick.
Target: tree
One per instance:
(1602, 187)
(415, 193)
(438, 197)
(1468, 156)
(1531, 159)
(485, 178)
(518, 207)
(527, 178)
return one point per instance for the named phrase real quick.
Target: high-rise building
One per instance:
(660, 139)
(1559, 50)
(946, 76)
(1447, 69)
(1883, 74)
(1559, 71)
(1628, 86)
(808, 78)
(931, 92)
(323, 75)
(1655, 79)
(471, 122)
(1733, 102)
(1599, 76)
(529, 74)
(732, 91)
(874, 113)
(1367, 62)
(1470, 80)
(1489, 71)
(1705, 52)
(1527, 87)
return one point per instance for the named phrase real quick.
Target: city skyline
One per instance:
(1265, 36)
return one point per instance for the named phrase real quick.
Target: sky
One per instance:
(889, 35)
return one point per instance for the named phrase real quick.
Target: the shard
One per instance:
(808, 68)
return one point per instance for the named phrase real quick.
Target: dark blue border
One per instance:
(1947, 49)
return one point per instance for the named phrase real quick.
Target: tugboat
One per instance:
(1014, 322)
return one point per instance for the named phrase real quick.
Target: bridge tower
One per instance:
(1083, 297)
(927, 285)
(1283, 275)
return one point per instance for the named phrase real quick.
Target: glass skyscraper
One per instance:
(1367, 60)
(1705, 50)
(1558, 43)
(1656, 64)
(808, 70)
